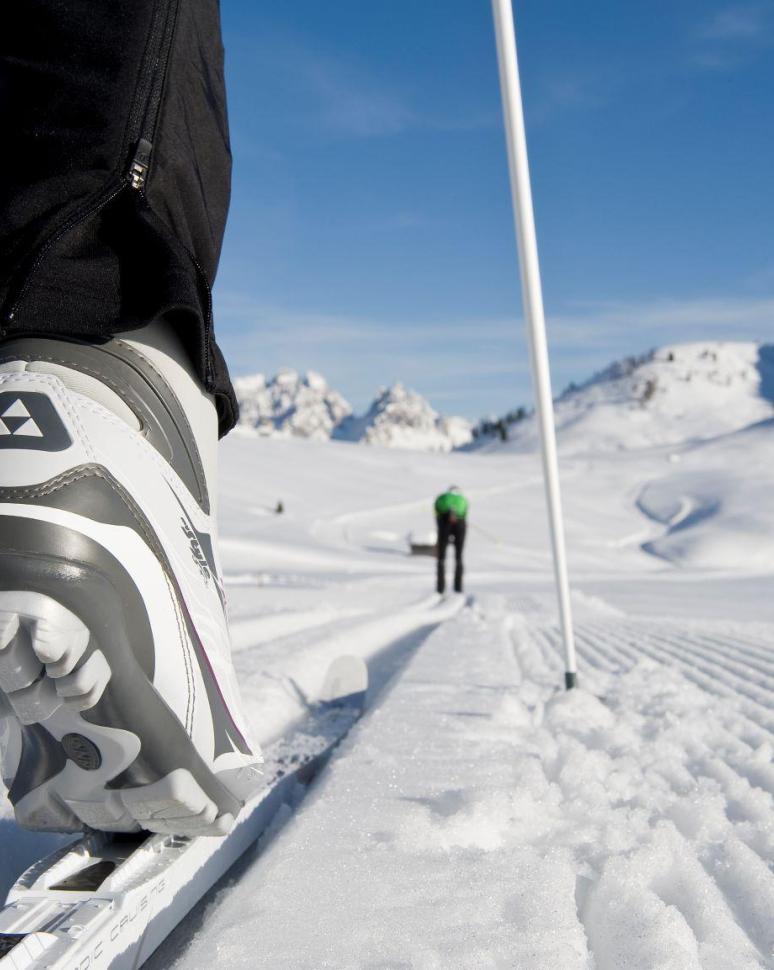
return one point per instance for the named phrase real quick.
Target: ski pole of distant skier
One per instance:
(532, 294)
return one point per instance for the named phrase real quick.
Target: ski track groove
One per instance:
(764, 654)
(589, 645)
(753, 659)
(709, 678)
(729, 665)
(685, 659)
(703, 872)
(709, 683)
(548, 651)
(703, 678)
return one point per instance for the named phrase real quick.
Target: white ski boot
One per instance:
(118, 699)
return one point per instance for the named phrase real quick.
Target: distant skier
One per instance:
(451, 509)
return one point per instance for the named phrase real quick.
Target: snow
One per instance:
(457, 430)
(479, 816)
(291, 405)
(401, 418)
(670, 395)
(716, 508)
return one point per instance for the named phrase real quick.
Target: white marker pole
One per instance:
(524, 218)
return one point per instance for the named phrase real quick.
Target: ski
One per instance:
(109, 901)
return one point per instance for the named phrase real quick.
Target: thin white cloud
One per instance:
(352, 105)
(672, 318)
(749, 22)
(733, 35)
(733, 318)
(331, 92)
(559, 94)
(340, 95)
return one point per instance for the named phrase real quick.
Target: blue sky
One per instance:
(371, 235)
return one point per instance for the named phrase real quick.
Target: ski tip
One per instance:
(346, 682)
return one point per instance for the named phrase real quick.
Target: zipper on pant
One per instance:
(151, 62)
(208, 322)
(160, 49)
(138, 170)
(140, 165)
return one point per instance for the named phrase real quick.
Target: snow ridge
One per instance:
(676, 394)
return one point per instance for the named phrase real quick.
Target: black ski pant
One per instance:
(448, 530)
(115, 172)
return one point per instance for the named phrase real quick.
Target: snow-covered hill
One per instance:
(401, 418)
(679, 393)
(292, 405)
(715, 503)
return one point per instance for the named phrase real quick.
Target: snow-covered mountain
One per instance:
(401, 418)
(681, 392)
(292, 405)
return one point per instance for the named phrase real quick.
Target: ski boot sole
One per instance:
(86, 715)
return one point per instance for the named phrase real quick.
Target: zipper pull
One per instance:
(138, 170)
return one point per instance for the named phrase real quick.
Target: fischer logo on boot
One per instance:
(30, 421)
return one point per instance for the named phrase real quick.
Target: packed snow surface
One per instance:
(479, 816)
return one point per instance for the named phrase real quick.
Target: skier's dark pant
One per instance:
(447, 530)
(114, 172)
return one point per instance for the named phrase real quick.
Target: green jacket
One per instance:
(451, 502)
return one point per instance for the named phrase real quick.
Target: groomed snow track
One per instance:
(699, 892)
(627, 825)
(716, 657)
